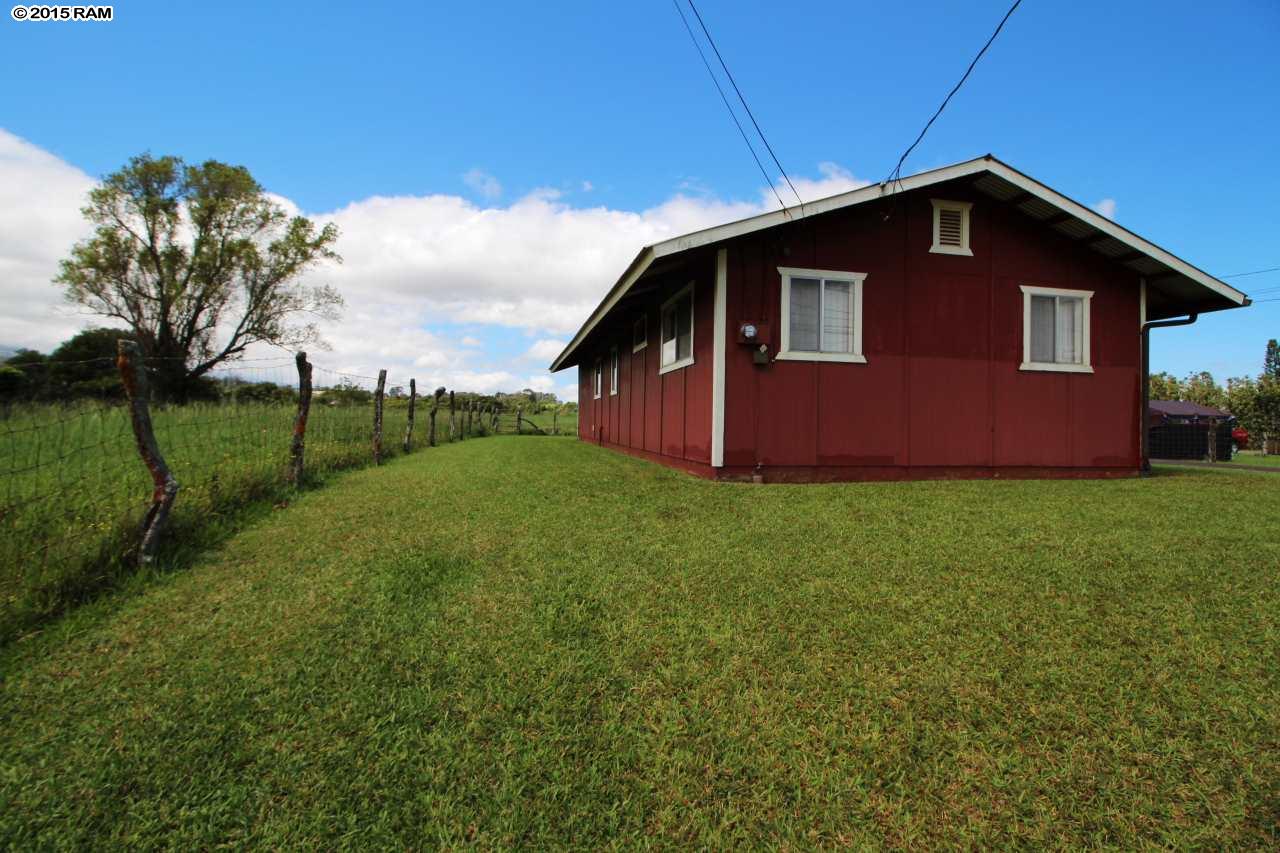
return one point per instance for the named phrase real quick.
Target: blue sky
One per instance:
(562, 123)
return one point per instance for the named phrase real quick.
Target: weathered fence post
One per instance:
(497, 414)
(452, 425)
(377, 417)
(298, 444)
(408, 427)
(435, 406)
(555, 418)
(133, 376)
(471, 412)
(519, 418)
(1213, 439)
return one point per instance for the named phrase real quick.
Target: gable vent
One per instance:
(951, 227)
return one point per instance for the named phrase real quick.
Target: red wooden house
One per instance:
(964, 322)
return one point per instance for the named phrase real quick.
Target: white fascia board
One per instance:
(638, 266)
(1106, 226)
(822, 205)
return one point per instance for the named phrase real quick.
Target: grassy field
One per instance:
(73, 489)
(1254, 457)
(522, 642)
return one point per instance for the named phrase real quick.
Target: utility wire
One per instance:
(896, 174)
(750, 114)
(1255, 272)
(727, 106)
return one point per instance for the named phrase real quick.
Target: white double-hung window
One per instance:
(599, 374)
(821, 315)
(1055, 329)
(677, 331)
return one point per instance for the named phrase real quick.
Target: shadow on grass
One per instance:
(212, 513)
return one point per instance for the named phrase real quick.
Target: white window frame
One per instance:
(854, 278)
(682, 363)
(642, 322)
(613, 371)
(599, 377)
(1085, 365)
(964, 207)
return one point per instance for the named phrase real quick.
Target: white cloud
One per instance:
(545, 350)
(1107, 207)
(538, 265)
(835, 179)
(587, 186)
(40, 201)
(483, 183)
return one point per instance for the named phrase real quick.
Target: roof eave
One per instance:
(987, 163)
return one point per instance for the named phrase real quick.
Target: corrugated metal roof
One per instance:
(1186, 409)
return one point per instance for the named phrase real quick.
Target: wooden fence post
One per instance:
(555, 418)
(408, 427)
(1213, 439)
(165, 488)
(298, 444)
(452, 426)
(377, 417)
(435, 406)
(497, 415)
(471, 414)
(519, 418)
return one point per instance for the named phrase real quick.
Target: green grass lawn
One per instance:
(520, 642)
(73, 488)
(1253, 457)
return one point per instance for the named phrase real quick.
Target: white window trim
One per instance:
(856, 278)
(964, 207)
(1085, 365)
(615, 371)
(597, 380)
(682, 363)
(642, 321)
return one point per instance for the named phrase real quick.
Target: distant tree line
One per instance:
(83, 368)
(1254, 401)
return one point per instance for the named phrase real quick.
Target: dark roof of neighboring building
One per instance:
(1186, 409)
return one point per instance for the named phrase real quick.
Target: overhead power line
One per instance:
(727, 105)
(743, 100)
(1254, 272)
(897, 170)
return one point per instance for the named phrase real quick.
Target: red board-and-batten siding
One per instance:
(941, 393)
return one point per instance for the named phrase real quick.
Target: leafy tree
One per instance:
(1271, 361)
(261, 392)
(1201, 388)
(1164, 386)
(34, 366)
(346, 393)
(13, 384)
(199, 263)
(84, 365)
(1242, 402)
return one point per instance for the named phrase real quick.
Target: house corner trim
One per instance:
(717, 359)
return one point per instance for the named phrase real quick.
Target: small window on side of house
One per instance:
(821, 315)
(598, 378)
(677, 331)
(613, 371)
(1055, 329)
(640, 333)
(951, 227)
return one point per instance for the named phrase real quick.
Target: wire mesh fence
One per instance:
(74, 490)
